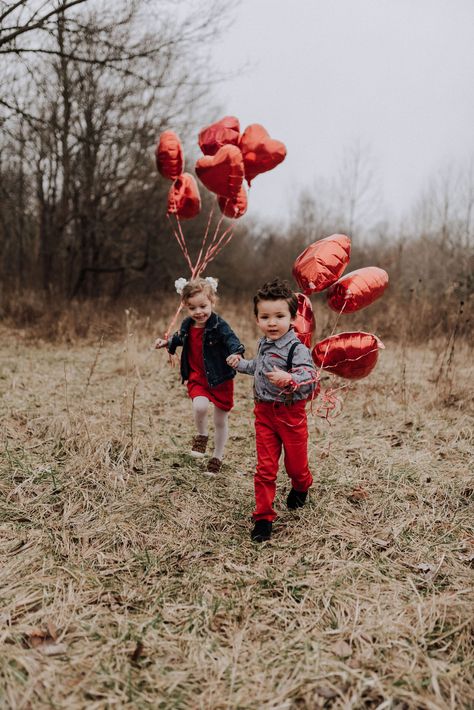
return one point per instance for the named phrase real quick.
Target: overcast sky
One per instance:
(396, 75)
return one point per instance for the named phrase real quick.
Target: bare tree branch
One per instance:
(31, 24)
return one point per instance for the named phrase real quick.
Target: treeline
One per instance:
(84, 96)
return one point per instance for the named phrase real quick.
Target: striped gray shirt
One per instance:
(274, 353)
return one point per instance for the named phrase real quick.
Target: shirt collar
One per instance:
(284, 340)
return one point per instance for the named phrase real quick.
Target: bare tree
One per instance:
(92, 119)
(356, 189)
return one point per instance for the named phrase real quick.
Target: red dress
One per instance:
(221, 395)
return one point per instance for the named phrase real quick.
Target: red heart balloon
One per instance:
(304, 323)
(183, 197)
(357, 289)
(322, 263)
(260, 152)
(223, 132)
(349, 355)
(169, 155)
(234, 208)
(223, 172)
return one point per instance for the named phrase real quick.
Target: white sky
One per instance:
(396, 75)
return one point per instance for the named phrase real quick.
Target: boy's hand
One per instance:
(279, 378)
(233, 360)
(160, 343)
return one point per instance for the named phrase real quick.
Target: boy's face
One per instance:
(274, 318)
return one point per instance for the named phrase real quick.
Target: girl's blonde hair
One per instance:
(198, 286)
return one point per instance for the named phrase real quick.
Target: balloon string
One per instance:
(217, 248)
(204, 239)
(181, 242)
(173, 321)
(184, 242)
(206, 260)
(293, 386)
(217, 243)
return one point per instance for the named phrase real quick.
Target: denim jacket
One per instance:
(219, 342)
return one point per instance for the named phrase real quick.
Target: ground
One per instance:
(128, 579)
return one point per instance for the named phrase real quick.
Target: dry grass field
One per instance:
(128, 579)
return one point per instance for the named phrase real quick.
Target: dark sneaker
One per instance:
(199, 445)
(296, 499)
(262, 531)
(213, 466)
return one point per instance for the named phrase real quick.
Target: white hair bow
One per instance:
(180, 283)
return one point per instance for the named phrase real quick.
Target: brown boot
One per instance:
(213, 466)
(198, 447)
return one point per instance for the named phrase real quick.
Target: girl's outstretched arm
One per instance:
(232, 342)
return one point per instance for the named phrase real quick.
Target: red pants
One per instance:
(276, 425)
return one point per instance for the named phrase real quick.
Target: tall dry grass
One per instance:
(128, 578)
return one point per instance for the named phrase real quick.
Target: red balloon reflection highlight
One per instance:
(349, 355)
(261, 153)
(223, 172)
(358, 289)
(234, 208)
(322, 263)
(183, 197)
(223, 132)
(304, 323)
(169, 155)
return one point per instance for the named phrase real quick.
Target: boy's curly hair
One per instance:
(274, 291)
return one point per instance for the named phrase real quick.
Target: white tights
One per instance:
(221, 425)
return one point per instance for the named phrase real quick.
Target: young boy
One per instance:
(284, 379)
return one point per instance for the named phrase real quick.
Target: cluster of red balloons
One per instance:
(352, 355)
(229, 158)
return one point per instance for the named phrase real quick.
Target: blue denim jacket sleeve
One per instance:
(230, 339)
(175, 341)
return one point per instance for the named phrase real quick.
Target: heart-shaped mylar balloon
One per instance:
(234, 208)
(183, 197)
(223, 172)
(260, 152)
(169, 155)
(304, 323)
(349, 355)
(223, 132)
(357, 289)
(322, 263)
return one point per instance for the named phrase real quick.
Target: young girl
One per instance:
(207, 340)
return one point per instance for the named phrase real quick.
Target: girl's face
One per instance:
(199, 308)
(274, 318)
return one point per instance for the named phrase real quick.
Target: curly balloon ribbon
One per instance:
(208, 251)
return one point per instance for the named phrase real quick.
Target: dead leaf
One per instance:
(358, 493)
(341, 648)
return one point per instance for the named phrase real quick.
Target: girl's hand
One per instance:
(233, 360)
(160, 343)
(279, 378)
